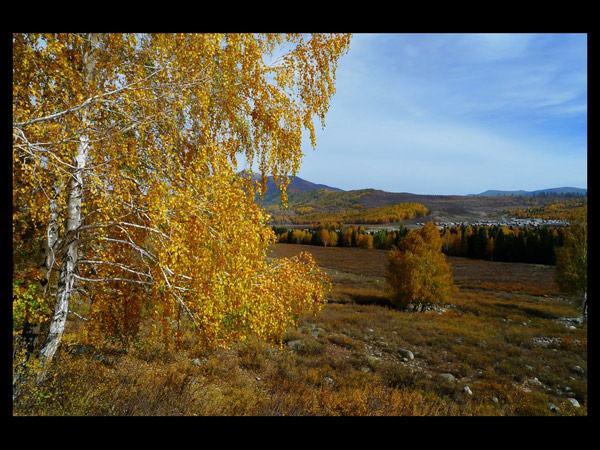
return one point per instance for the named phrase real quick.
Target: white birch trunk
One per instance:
(31, 331)
(71, 237)
(48, 246)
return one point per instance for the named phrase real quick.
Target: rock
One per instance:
(328, 381)
(494, 399)
(578, 370)
(406, 353)
(447, 377)
(552, 407)
(257, 378)
(574, 402)
(197, 362)
(467, 389)
(546, 341)
(534, 382)
(295, 343)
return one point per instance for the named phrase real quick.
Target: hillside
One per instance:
(441, 207)
(297, 185)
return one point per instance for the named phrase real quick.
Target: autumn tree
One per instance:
(417, 270)
(323, 237)
(571, 259)
(125, 151)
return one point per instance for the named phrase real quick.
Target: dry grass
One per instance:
(350, 359)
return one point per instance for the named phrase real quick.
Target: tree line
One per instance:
(337, 235)
(494, 243)
(561, 210)
(507, 244)
(305, 215)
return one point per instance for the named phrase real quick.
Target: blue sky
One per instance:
(455, 114)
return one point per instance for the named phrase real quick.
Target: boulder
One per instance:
(447, 377)
(406, 353)
(578, 370)
(552, 407)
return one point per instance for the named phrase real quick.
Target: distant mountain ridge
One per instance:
(558, 190)
(305, 197)
(297, 185)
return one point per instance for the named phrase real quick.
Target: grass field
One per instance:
(501, 346)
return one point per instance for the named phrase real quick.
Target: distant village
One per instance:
(513, 222)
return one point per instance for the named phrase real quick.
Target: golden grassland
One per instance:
(499, 335)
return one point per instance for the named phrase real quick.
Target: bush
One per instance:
(417, 270)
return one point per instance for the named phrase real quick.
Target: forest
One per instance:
(564, 207)
(493, 243)
(355, 213)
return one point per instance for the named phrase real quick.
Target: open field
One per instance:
(503, 333)
(501, 346)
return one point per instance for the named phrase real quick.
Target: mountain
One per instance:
(559, 190)
(297, 185)
(307, 198)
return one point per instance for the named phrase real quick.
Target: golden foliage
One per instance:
(571, 259)
(417, 270)
(165, 221)
(354, 213)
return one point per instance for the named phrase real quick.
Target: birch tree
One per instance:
(571, 260)
(126, 195)
(417, 271)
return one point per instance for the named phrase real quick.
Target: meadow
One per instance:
(504, 344)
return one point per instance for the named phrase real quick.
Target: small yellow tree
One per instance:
(417, 270)
(571, 259)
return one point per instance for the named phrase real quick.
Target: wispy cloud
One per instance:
(447, 108)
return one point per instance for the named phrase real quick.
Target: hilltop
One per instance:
(308, 198)
(559, 190)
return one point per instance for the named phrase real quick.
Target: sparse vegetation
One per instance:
(503, 334)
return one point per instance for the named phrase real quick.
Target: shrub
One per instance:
(417, 270)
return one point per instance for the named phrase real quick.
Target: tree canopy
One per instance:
(571, 259)
(126, 196)
(417, 270)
